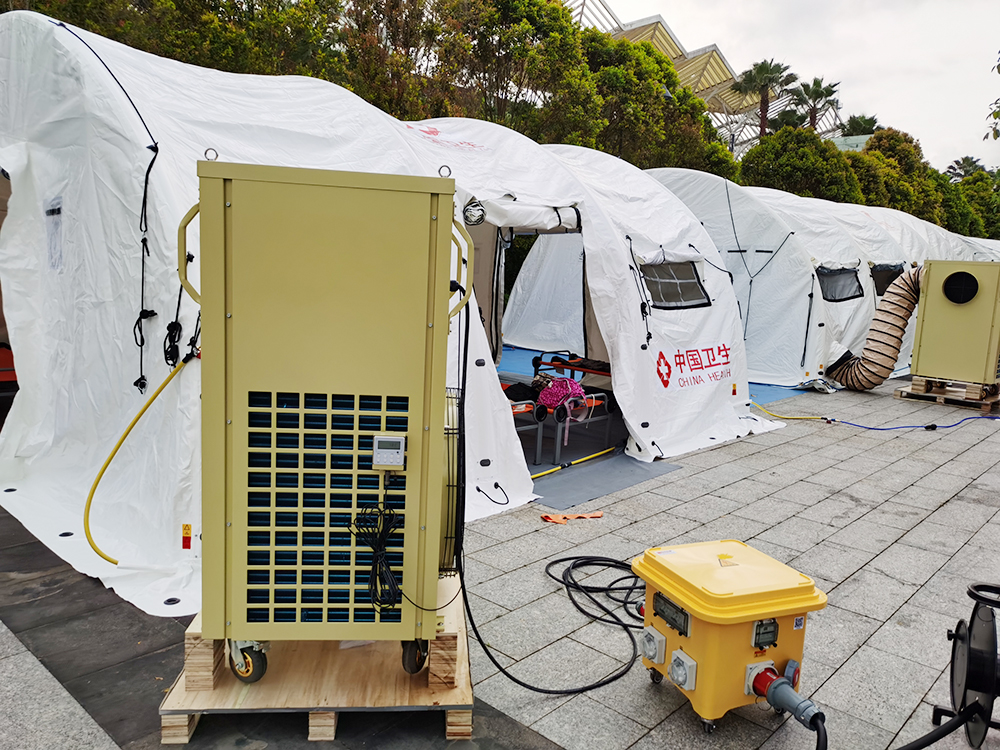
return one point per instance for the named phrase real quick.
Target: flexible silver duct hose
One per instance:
(878, 358)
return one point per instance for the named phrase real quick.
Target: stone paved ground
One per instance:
(892, 525)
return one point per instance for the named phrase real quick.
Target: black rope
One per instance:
(496, 486)
(144, 313)
(644, 304)
(373, 527)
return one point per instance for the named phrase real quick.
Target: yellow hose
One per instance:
(97, 481)
(778, 416)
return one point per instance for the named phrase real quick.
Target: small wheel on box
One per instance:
(254, 665)
(708, 726)
(414, 655)
(779, 711)
(656, 676)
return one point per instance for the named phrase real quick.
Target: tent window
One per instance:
(839, 284)
(884, 274)
(675, 286)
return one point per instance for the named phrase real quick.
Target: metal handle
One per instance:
(458, 270)
(182, 252)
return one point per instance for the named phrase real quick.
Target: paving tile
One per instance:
(975, 564)
(524, 550)
(610, 640)
(473, 541)
(125, 633)
(705, 508)
(936, 537)
(962, 515)
(916, 634)
(897, 515)
(760, 461)
(865, 489)
(638, 698)
(641, 506)
(882, 687)
(533, 626)
(9, 644)
(23, 562)
(559, 666)
(797, 533)
(866, 535)
(745, 491)
(506, 526)
(683, 729)
(609, 545)
(517, 588)
(657, 530)
(725, 474)
(39, 713)
(837, 510)
(604, 727)
(484, 610)
(688, 488)
(908, 564)
(979, 495)
(768, 510)
(872, 594)
(833, 477)
(12, 533)
(830, 561)
(803, 493)
(946, 594)
(922, 497)
(727, 527)
(779, 553)
(834, 634)
(788, 450)
(920, 724)
(940, 480)
(131, 713)
(844, 731)
(988, 536)
(480, 664)
(476, 572)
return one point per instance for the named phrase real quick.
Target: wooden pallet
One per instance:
(321, 678)
(957, 395)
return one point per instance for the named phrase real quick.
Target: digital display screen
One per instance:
(673, 615)
(765, 634)
(389, 445)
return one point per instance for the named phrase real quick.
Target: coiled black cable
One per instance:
(617, 591)
(372, 527)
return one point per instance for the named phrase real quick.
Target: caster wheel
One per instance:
(709, 726)
(779, 711)
(656, 676)
(561, 413)
(414, 656)
(254, 665)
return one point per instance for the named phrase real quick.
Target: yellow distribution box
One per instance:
(719, 613)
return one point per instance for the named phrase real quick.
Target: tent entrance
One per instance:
(8, 378)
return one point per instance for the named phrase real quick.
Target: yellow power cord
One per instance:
(93, 489)
(571, 463)
(778, 416)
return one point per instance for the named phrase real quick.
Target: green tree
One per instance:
(816, 98)
(391, 57)
(983, 194)
(902, 147)
(860, 125)
(762, 79)
(956, 213)
(964, 167)
(798, 161)
(870, 173)
(787, 118)
(521, 64)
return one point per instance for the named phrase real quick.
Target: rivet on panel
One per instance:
(229, 315)
(229, 421)
(228, 204)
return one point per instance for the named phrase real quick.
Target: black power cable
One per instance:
(618, 592)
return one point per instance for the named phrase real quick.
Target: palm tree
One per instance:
(817, 98)
(764, 78)
(861, 125)
(959, 169)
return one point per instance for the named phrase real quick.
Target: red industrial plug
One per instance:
(763, 681)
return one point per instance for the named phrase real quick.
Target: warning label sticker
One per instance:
(727, 561)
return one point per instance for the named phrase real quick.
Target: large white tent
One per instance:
(790, 329)
(77, 147)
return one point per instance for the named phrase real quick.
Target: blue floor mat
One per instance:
(762, 393)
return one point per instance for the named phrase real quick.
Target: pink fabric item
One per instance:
(559, 391)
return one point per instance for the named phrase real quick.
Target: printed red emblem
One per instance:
(663, 369)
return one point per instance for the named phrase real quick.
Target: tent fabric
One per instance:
(691, 377)
(69, 137)
(788, 328)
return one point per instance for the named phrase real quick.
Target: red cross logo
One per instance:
(663, 369)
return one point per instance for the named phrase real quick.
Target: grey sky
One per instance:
(922, 66)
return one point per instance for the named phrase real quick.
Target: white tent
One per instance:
(78, 152)
(791, 331)
(555, 304)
